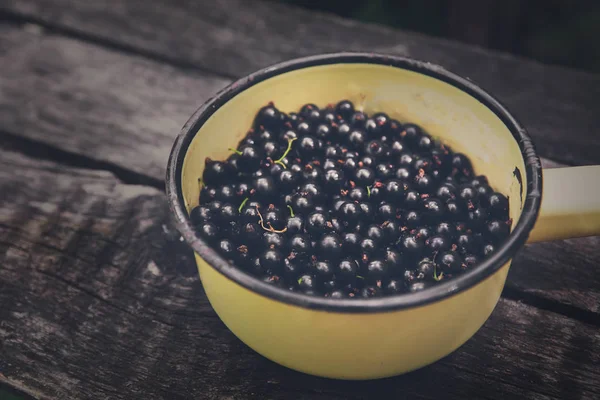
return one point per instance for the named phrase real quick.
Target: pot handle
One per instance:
(570, 204)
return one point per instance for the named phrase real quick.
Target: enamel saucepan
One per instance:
(375, 338)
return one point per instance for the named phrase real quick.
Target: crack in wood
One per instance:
(44, 151)
(522, 295)
(13, 17)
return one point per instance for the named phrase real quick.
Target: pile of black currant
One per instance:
(337, 203)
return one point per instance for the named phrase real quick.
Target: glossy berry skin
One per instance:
(462, 165)
(274, 240)
(395, 191)
(446, 229)
(265, 187)
(347, 270)
(447, 191)
(412, 200)
(216, 172)
(271, 260)
(497, 230)
(227, 249)
(364, 176)
(370, 291)
(345, 109)
(391, 231)
(351, 242)
(498, 205)
(412, 219)
(425, 270)
(333, 180)
(438, 244)
(300, 244)
(287, 180)
(303, 204)
(251, 234)
(200, 214)
(375, 233)
(307, 283)
(478, 217)
(294, 225)
(394, 260)
(350, 213)
(394, 287)
(357, 138)
(449, 261)
(424, 183)
(316, 223)
(377, 270)
(455, 211)
(470, 261)
(488, 249)
(358, 194)
(227, 213)
(250, 159)
(375, 194)
(367, 246)
(376, 149)
(386, 212)
(433, 210)
(403, 174)
(268, 117)
(273, 216)
(412, 245)
(330, 246)
(322, 269)
(411, 134)
(359, 206)
(357, 119)
(209, 232)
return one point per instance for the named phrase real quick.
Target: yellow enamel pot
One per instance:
(376, 338)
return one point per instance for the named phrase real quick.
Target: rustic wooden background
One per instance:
(99, 298)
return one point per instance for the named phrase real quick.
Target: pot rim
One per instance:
(485, 269)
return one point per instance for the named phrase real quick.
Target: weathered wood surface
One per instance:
(100, 300)
(235, 37)
(92, 101)
(125, 110)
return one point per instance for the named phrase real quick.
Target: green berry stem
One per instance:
(291, 211)
(239, 153)
(289, 148)
(243, 204)
(435, 275)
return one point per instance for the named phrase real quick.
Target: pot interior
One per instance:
(443, 110)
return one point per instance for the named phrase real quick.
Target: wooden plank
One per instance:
(96, 102)
(100, 299)
(126, 110)
(235, 37)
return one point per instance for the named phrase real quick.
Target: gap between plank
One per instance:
(39, 150)
(19, 19)
(567, 310)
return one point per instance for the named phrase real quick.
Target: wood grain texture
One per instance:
(100, 299)
(96, 102)
(236, 37)
(126, 110)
